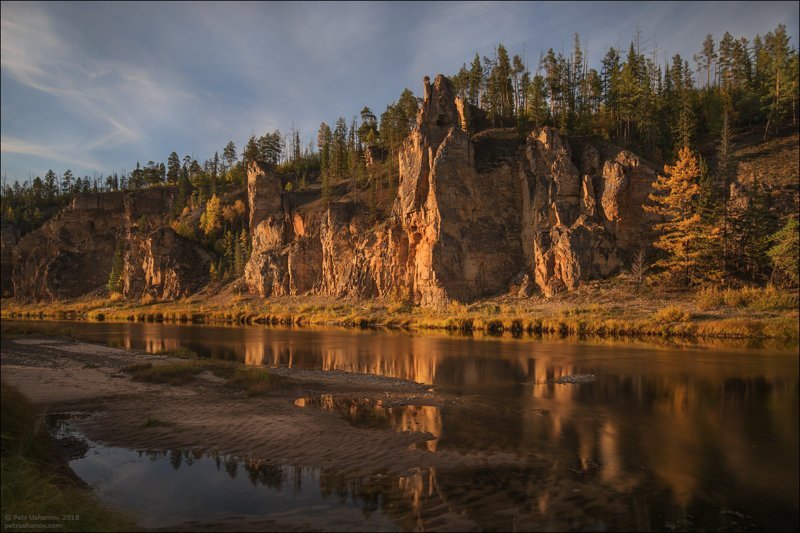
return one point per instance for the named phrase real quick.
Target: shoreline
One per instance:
(296, 420)
(203, 412)
(596, 310)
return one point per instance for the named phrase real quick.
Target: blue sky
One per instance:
(95, 87)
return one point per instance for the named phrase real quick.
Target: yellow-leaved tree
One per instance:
(211, 219)
(683, 235)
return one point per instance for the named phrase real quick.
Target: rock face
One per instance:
(482, 212)
(463, 228)
(164, 266)
(72, 254)
(473, 216)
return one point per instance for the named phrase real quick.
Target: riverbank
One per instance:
(202, 404)
(603, 308)
(40, 491)
(293, 417)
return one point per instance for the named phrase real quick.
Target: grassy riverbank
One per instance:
(38, 488)
(606, 308)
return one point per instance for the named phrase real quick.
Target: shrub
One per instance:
(671, 313)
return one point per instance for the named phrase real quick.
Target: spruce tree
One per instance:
(115, 279)
(785, 253)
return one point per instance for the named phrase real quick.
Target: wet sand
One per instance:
(63, 375)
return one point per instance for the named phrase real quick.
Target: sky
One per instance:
(96, 87)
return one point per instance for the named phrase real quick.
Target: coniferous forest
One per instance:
(686, 116)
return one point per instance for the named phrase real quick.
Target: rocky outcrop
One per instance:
(72, 254)
(267, 271)
(485, 211)
(477, 213)
(474, 216)
(453, 215)
(164, 266)
(300, 246)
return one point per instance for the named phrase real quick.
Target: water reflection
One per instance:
(664, 436)
(369, 413)
(170, 487)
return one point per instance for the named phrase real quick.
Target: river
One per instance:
(668, 437)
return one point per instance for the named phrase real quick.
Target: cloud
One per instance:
(121, 82)
(64, 154)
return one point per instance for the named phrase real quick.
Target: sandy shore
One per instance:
(64, 375)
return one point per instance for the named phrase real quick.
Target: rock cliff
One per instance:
(72, 254)
(475, 214)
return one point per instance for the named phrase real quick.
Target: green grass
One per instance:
(254, 381)
(172, 373)
(34, 482)
(251, 380)
(183, 353)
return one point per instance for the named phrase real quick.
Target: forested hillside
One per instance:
(720, 128)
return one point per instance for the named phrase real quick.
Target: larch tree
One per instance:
(682, 233)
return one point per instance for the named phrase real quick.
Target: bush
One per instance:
(671, 313)
(757, 299)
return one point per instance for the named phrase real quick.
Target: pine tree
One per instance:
(66, 182)
(229, 256)
(229, 155)
(238, 259)
(244, 247)
(475, 82)
(173, 168)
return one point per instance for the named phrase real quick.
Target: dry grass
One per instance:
(608, 307)
(671, 313)
(755, 298)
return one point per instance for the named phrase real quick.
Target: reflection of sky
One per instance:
(707, 425)
(161, 495)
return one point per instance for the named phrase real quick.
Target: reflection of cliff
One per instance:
(373, 414)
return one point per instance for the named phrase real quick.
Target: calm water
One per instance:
(667, 438)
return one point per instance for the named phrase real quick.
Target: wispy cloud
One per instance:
(63, 154)
(107, 84)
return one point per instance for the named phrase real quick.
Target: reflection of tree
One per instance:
(231, 466)
(269, 475)
(175, 459)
